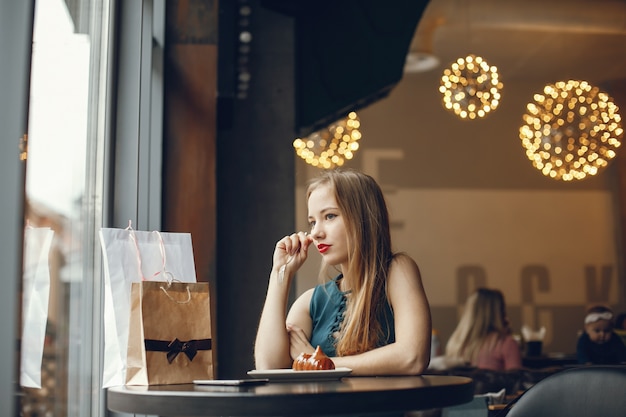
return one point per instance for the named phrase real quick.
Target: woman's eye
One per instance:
(330, 216)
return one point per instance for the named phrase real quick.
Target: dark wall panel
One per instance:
(349, 54)
(255, 176)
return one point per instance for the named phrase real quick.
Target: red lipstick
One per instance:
(322, 248)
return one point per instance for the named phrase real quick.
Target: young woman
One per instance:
(483, 338)
(373, 317)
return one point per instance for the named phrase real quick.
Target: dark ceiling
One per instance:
(530, 39)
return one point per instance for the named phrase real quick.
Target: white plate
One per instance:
(291, 375)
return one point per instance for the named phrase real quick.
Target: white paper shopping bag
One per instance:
(135, 256)
(36, 294)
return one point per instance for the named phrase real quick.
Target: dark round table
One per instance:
(350, 395)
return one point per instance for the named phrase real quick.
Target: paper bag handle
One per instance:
(169, 284)
(138, 254)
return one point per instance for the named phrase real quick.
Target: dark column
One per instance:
(255, 173)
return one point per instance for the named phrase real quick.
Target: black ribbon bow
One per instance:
(173, 348)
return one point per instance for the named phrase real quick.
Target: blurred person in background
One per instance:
(483, 337)
(599, 344)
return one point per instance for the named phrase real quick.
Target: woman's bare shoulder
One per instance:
(305, 297)
(402, 261)
(404, 271)
(300, 307)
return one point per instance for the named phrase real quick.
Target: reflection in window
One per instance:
(67, 90)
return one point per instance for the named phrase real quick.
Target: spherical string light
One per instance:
(330, 147)
(571, 131)
(471, 87)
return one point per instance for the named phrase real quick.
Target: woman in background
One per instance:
(483, 337)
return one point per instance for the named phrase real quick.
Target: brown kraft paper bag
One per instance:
(169, 340)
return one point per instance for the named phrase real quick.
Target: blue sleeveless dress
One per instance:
(327, 308)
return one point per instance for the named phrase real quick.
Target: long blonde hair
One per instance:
(366, 219)
(483, 322)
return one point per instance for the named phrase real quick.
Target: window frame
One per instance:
(123, 177)
(16, 29)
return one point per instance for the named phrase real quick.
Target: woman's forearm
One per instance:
(271, 348)
(392, 359)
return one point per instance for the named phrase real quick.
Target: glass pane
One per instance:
(63, 206)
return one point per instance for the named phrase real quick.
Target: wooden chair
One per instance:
(576, 392)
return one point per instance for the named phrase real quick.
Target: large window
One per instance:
(92, 161)
(64, 186)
